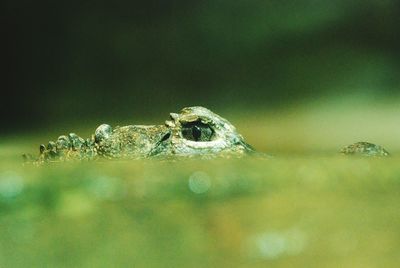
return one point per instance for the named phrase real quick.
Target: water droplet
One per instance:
(275, 244)
(11, 184)
(271, 245)
(104, 187)
(199, 182)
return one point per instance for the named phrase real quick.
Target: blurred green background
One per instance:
(133, 60)
(299, 79)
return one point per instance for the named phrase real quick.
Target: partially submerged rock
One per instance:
(364, 149)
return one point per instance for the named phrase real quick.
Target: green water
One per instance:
(321, 211)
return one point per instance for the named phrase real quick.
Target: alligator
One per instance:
(195, 131)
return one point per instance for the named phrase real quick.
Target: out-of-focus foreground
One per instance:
(282, 212)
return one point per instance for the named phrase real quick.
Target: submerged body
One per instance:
(194, 131)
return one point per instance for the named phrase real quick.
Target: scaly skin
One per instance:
(194, 131)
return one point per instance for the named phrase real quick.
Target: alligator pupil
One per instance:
(196, 133)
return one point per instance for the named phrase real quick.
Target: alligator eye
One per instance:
(197, 131)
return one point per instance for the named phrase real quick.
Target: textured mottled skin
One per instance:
(193, 131)
(132, 141)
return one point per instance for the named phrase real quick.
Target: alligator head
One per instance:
(193, 131)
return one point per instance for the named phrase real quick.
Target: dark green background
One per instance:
(78, 60)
